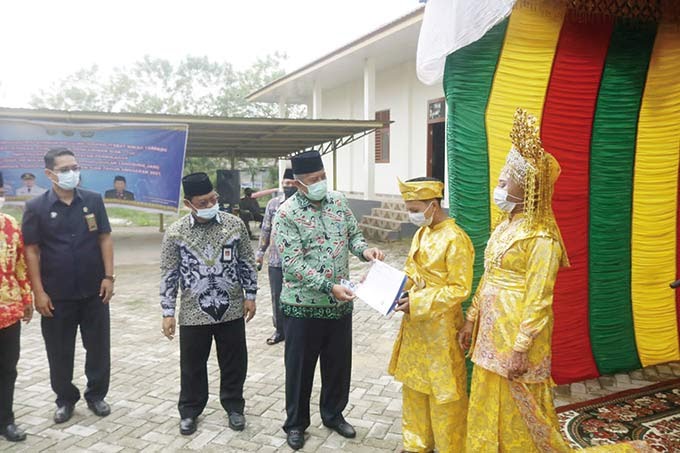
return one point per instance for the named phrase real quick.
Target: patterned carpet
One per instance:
(650, 413)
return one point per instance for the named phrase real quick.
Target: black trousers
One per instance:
(307, 340)
(232, 357)
(59, 332)
(275, 283)
(9, 357)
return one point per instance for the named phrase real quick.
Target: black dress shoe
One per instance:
(237, 421)
(100, 408)
(64, 413)
(295, 439)
(12, 433)
(187, 426)
(274, 339)
(343, 428)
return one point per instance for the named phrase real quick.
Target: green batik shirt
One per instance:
(314, 244)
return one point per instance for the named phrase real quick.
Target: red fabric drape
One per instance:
(566, 133)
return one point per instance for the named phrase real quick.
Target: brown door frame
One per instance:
(430, 122)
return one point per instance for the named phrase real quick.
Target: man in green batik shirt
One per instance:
(315, 231)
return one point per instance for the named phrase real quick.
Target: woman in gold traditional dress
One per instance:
(508, 327)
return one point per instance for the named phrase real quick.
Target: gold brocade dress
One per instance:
(512, 311)
(426, 357)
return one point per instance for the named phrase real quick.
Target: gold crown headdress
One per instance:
(530, 165)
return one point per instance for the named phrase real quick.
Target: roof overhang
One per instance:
(227, 137)
(389, 45)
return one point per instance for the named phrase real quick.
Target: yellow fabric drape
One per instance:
(521, 79)
(655, 193)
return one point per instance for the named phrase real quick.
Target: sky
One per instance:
(46, 40)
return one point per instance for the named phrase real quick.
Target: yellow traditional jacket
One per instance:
(512, 307)
(426, 355)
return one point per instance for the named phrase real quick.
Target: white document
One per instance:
(382, 287)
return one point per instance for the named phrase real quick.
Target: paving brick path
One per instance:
(145, 379)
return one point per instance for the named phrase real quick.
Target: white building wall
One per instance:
(398, 90)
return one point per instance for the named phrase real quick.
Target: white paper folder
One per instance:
(382, 287)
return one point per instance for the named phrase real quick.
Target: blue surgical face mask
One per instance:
(316, 191)
(208, 213)
(68, 180)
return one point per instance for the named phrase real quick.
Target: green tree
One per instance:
(194, 86)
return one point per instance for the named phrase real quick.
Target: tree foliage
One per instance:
(193, 86)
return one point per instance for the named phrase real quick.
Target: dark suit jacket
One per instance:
(114, 195)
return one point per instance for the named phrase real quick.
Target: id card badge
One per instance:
(91, 222)
(227, 254)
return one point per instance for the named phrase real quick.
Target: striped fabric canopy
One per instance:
(607, 92)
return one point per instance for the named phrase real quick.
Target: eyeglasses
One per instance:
(67, 169)
(207, 203)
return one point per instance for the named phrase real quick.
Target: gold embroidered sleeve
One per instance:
(433, 299)
(473, 310)
(543, 262)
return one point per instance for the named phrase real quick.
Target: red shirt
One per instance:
(15, 287)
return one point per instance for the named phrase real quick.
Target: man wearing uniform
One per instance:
(69, 252)
(29, 188)
(208, 254)
(315, 231)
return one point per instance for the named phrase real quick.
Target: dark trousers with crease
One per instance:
(9, 357)
(275, 283)
(59, 333)
(309, 340)
(232, 356)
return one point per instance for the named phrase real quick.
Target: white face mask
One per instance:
(208, 213)
(68, 180)
(500, 197)
(419, 219)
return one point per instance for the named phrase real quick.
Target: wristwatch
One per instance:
(110, 277)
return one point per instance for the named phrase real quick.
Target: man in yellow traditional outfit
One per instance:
(511, 406)
(426, 356)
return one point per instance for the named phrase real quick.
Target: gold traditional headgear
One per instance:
(530, 165)
(421, 190)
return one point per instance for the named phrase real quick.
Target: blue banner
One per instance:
(133, 165)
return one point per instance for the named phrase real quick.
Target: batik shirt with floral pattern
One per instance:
(213, 263)
(15, 287)
(314, 244)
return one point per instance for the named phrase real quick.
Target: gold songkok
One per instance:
(536, 170)
(421, 190)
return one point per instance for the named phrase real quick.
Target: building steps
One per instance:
(388, 223)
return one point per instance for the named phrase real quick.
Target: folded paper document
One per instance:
(382, 287)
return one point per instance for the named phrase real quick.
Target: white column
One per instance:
(369, 141)
(282, 168)
(283, 111)
(317, 101)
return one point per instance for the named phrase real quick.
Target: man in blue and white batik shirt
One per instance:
(209, 256)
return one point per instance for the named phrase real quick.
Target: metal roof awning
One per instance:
(229, 137)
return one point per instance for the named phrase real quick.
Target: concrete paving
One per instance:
(145, 378)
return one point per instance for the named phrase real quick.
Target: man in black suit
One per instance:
(119, 192)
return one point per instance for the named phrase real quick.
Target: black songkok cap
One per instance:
(196, 184)
(288, 174)
(307, 162)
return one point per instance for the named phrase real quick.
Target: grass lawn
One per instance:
(117, 216)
